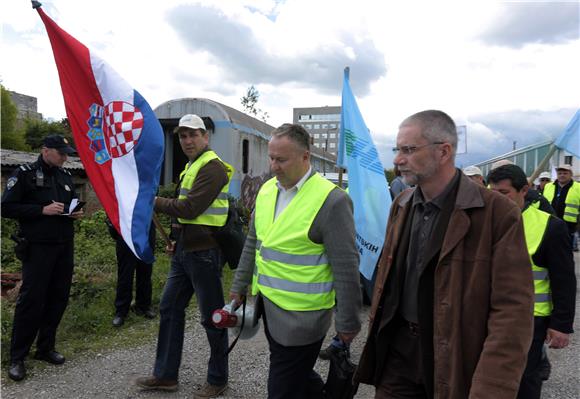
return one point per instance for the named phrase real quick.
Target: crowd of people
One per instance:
(475, 276)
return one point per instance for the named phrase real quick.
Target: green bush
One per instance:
(9, 262)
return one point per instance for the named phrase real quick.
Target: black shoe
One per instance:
(51, 357)
(327, 352)
(17, 370)
(545, 369)
(147, 313)
(118, 321)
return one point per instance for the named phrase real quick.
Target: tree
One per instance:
(390, 174)
(12, 136)
(37, 130)
(249, 102)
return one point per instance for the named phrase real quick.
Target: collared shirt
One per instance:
(425, 218)
(286, 195)
(559, 202)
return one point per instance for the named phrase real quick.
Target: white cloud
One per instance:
(404, 57)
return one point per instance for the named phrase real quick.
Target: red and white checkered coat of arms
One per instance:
(122, 127)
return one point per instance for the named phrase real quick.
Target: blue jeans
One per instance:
(196, 272)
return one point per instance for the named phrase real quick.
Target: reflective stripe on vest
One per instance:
(292, 271)
(535, 225)
(216, 214)
(571, 202)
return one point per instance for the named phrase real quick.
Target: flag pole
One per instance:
(347, 75)
(161, 230)
(543, 163)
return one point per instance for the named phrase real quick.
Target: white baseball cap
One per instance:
(191, 121)
(565, 167)
(545, 175)
(501, 162)
(472, 171)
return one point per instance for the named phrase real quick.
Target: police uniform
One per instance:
(47, 265)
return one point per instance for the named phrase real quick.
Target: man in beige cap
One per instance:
(564, 194)
(474, 173)
(201, 207)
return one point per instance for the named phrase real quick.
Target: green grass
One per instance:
(86, 325)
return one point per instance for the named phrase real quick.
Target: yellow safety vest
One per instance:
(572, 200)
(217, 213)
(291, 270)
(535, 225)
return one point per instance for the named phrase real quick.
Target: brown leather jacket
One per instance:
(208, 183)
(480, 313)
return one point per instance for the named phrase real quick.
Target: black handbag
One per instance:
(339, 383)
(231, 237)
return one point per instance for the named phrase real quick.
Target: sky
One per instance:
(508, 71)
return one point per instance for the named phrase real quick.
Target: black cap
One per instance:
(59, 143)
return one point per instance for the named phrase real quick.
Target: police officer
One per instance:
(39, 196)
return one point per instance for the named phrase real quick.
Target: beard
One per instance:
(416, 178)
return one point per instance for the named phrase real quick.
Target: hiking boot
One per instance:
(327, 352)
(154, 383)
(209, 391)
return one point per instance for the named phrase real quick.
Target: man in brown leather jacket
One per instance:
(452, 307)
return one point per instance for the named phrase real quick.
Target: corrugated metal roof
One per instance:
(15, 158)
(513, 153)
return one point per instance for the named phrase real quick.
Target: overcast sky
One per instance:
(509, 71)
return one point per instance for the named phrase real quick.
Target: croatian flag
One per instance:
(367, 184)
(116, 133)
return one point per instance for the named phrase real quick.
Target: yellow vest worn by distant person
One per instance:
(292, 271)
(217, 213)
(572, 200)
(535, 225)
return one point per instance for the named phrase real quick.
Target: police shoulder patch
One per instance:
(11, 182)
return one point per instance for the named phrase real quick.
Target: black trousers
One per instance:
(403, 371)
(128, 265)
(531, 384)
(43, 298)
(291, 374)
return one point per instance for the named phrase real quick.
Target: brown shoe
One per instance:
(154, 383)
(209, 391)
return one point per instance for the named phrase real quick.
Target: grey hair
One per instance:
(436, 126)
(296, 133)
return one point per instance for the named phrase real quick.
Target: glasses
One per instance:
(410, 149)
(544, 179)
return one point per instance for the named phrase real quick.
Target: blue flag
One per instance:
(569, 139)
(367, 184)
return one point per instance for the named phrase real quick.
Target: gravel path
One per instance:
(111, 375)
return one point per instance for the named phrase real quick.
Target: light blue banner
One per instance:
(569, 139)
(367, 184)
